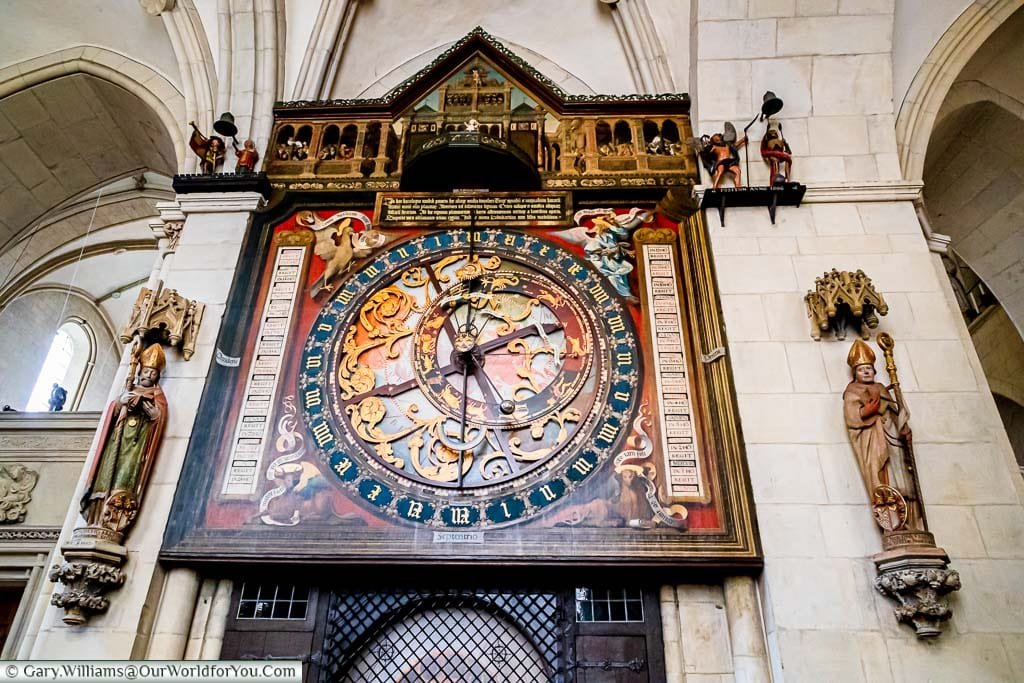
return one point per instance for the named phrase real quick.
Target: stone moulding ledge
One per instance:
(837, 192)
(219, 202)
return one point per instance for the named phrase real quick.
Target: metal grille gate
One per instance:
(454, 636)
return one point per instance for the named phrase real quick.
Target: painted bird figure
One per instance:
(338, 244)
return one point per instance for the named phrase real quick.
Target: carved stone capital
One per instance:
(918, 579)
(173, 230)
(155, 8)
(90, 570)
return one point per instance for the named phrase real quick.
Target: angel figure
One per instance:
(338, 244)
(720, 155)
(606, 243)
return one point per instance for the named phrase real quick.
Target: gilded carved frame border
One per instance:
(718, 413)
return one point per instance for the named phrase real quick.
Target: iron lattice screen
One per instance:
(471, 636)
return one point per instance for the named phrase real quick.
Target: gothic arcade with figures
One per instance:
(373, 336)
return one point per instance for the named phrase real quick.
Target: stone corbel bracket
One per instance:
(167, 318)
(841, 299)
(87, 575)
(918, 578)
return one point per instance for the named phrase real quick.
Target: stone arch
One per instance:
(195, 61)
(972, 196)
(932, 83)
(965, 93)
(154, 89)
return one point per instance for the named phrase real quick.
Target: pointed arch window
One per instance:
(68, 363)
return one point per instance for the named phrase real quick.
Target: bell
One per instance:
(770, 105)
(225, 125)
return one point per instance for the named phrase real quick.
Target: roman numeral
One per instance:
(597, 291)
(313, 362)
(460, 515)
(616, 324)
(608, 432)
(582, 467)
(313, 398)
(322, 434)
(623, 359)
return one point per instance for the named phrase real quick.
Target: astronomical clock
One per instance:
(476, 322)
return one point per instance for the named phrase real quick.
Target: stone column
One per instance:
(203, 269)
(746, 631)
(206, 635)
(670, 635)
(218, 622)
(174, 615)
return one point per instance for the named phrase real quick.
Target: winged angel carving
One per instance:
(16, 484)
(339, 244)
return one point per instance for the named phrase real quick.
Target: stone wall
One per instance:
(830, 63)
(1001, 351)
(52, 447)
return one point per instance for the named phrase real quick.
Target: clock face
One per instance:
(470, 379)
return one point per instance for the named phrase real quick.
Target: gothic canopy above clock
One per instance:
(479, 109)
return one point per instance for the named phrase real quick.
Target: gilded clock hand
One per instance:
(472, 279)
(466, 356)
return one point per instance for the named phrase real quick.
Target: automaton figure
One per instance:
(720, 155)
(210, 150)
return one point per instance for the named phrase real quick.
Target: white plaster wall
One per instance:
(831, 64)
(31, 28)
(207, 10)
(672, 21)
(202, 268)
(300, 15)
(824, 619)
(578, 36)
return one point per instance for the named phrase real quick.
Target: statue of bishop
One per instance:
(132, 427)
(878, 425)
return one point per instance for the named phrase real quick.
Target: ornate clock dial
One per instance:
(446, 379)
